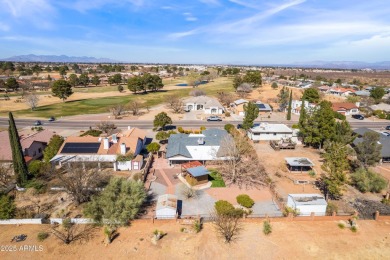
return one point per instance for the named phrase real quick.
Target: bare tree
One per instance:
(32, 100)
(197, 93)
(242, 166)
(244, 89)
(175, 103)
(225, 98)
(117, 110)
(5, 175)
(135, 106)
(187, 192)
(81, 180)
(69, 232)
(106, 127)
(228, 226)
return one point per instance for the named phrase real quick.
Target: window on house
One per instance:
(40, 150)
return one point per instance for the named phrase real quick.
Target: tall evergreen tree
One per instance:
(302, 119)
(251, 113)
(289, 107)
(19, 164)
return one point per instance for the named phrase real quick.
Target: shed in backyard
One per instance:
(299, 164)
(166, 207)
(307, 204)
(198, 174)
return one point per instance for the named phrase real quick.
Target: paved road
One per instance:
(148, 124)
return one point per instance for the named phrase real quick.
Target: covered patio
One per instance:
(299, 164)
(195, 173)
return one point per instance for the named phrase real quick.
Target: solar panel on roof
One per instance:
(80, 148)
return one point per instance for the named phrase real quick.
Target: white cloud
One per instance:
(175, 36)
(189, 17)
(85, 5)
(210, 2)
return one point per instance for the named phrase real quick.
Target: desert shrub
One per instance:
(39, 186)
(339, 116)
(341, 225)
(312, 173)
(120, 88)
(331, 208)
(124, 158)
(223, 207)
(180, 129)
(227, 114)
(182, 229)
(7, 207)
(245, 201)
(228, 127)
(295, 126)
(353, 229)
(288, 210)
(267, 228)
(197, 226)
(35, 167)
(92, 132)
(368, 181)
(188, 192)
(42, 236)
(196, 132)
(386, 201)
(202, 128)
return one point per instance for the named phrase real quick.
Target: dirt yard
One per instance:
(289, 240)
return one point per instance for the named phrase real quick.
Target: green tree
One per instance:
(12, 83)
(312, 95)
(283, 98)
(52, 148)
(369, 150)
(251, 113)
(162, 135)
(73, 80)
(117, 204)
(95, 80)
(377, 94)
(62, 89)
(344, 133)
(303, 117)
(237, 81)
(7, 207)
(153, 147)
(289, 106)
(161, 120)
(117, 78)
(335, 165)
(320, 125)
(152, 82)
(253, 78)
(274, 85)
(63, 70)
(84, 79)
(368, 181)
(19, 164)
(135, 84)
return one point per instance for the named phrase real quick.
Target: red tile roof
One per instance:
(343, 106)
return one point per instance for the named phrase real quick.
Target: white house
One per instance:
(203, 103)
(296, 106)
(307, 204)
(113, 150)
(166, 207)
(346, 108)
(203, 147)
(266, 132)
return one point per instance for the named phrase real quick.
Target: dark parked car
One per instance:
(358, 117)
(214, 118)
(37, 123)
(388, 127)
(52, 118)
(239, 126)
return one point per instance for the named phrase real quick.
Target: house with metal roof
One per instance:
(383, 140)
(307, 204)
(203, 103)
(267, 132)
(166, 207)
(207, 146)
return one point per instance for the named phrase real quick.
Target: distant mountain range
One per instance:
(56, 58)
(343, 64)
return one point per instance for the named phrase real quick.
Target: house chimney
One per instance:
(114, 138)
(123, 148)
(106, 143)
(201, 141)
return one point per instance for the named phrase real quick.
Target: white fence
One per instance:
(73, 220)
(21, 221)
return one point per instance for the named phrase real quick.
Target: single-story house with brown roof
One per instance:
(345, 108)
(112, 150)
(32, 145)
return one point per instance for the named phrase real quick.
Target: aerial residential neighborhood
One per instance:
(203, 130)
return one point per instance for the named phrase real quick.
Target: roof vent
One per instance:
(200, 141)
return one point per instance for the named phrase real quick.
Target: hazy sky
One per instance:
(198, 31)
